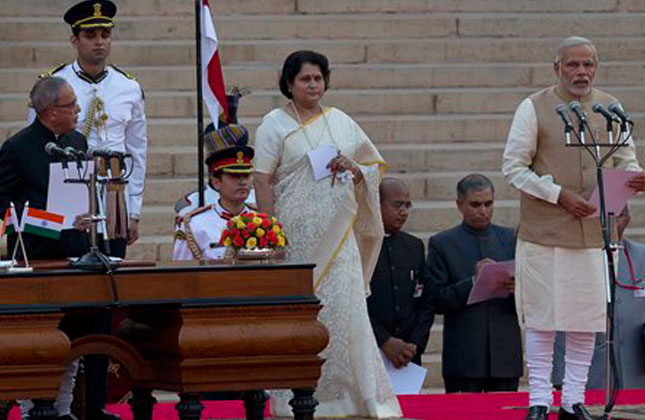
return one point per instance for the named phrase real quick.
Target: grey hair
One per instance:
(573, 41)
(473, 182)
(46, 92)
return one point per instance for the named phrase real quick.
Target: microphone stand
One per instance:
(613, 382)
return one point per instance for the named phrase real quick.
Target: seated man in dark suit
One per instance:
(24, 176)
(482, 348)
(401, 304)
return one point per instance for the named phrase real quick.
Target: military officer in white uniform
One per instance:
(198, 232)
(112, 113)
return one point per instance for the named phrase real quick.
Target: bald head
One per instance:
(395, 204)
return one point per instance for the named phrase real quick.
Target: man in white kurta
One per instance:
(560, 282)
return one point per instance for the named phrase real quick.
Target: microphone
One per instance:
(576, 108)
(103, 153)
(617, 109)
(53, 149)
(561, 110)
(597, 107)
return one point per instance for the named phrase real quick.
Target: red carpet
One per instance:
(496, 406)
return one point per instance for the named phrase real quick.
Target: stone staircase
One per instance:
(433, 82)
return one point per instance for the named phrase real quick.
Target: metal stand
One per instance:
(94, 259)
(613, 383)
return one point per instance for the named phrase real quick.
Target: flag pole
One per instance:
(200, 95)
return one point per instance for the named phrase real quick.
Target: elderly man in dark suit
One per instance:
(401, 304)
(24, 164)
(24, 176)
(482, 348)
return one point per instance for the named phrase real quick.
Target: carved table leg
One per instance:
(43, 410)
(254, 403)
(5, 408)
(189, 407)
(142, 403)
(303, 404)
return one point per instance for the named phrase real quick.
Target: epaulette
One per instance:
(197, 211)
(51, 71)
(123, 72)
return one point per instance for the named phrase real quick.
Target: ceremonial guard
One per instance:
(198, 232)
(112, 113)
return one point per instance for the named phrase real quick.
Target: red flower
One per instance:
(263, 215)
(266, 223)
(263, 242)
(251, 226)
(235, 231)
(229, 224)
(238, 241)
(246, 233)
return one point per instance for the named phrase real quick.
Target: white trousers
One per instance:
(579, 349)
(65, 396)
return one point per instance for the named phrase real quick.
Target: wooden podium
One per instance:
(189, 329)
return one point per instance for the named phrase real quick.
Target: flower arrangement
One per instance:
(253, 231)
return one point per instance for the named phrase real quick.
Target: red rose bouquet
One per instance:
(253, 231)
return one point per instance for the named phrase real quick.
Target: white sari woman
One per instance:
(335, 223)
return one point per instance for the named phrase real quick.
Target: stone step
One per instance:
(346, 26)
(422, 6)
(358, 76)
(238, 27)
(424, 101)
(423, 186)
(432, 362)
(391, 50)
(425, 216)
(151, 7)
(263, 7)
(382, 129)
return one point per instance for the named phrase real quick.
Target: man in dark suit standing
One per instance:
(401, 304)
(482, 349)
(24, 165)
(24, 176)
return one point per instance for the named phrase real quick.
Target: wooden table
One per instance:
(190, 329)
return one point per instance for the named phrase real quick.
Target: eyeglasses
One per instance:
(69, 105)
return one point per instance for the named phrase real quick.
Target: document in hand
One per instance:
(616, 192)
(489, 283)
(68, 199)
(319, 158)
(407, 380)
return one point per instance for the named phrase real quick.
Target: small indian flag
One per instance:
(9, 223)
(42, 223)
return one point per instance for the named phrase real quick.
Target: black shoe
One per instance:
(67, 417)
(579, 413)
(538, 412)
(100, 415)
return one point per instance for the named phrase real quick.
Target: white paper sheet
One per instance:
(319, 158)
(407, 380)
(489, 283)
(68, 199)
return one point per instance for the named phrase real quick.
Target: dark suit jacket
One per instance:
(24, 176)
(394, 311)
(481, 340)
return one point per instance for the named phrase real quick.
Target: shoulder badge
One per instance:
(51, 71)
(123, 72)
(197, 211)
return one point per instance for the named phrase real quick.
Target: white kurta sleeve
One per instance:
(136, 143)
(520, 149)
